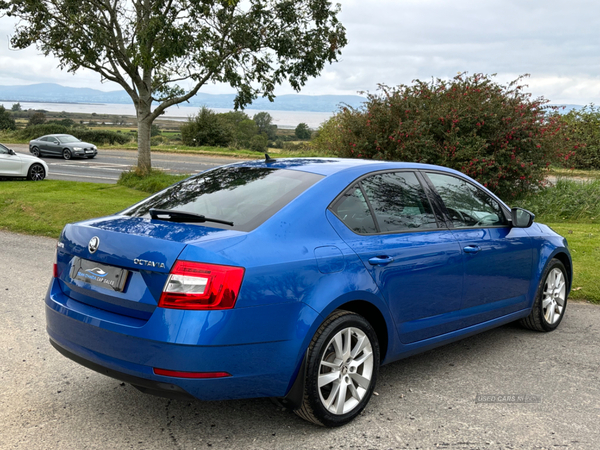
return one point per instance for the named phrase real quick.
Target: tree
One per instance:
(495, 133)
(207, 128)
(302, 132)
(264, 121)
(164, 51)
(584, 135)
(37, 118)
(16, 107)
(6, 120)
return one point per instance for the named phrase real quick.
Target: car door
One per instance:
(389, 222)
(53, 146)
(10, 165)
(497, 258)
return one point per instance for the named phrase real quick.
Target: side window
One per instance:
(352, 209)
(43, 139)
(399, 202)
(467, 205)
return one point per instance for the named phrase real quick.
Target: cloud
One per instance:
(394, 42)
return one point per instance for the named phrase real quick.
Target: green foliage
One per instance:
(566, 200)
(155, 130)
(265, 126)
(36, 131)
(101, 137)
(64, 122)
(98, 137)
(16, 107)
(258, 143)
(495, 133)
(245, 131)
(37, 118)
(6, 120)
(153, 182)
(302, 132)
(584, 137)
(207, 128)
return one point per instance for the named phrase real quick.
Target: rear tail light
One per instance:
(201, 286)
(55, 265)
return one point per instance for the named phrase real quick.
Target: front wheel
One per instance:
(67, 154)
(551, 299)
(35, 152)
(343, 363)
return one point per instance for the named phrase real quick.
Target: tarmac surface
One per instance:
(427, 401)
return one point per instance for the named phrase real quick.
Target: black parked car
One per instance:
(63, 145)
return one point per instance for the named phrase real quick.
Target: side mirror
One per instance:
(521, 218)
(11, 151)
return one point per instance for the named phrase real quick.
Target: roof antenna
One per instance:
(268, 159)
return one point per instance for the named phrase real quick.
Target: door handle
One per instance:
(380, 260)
(471, 249)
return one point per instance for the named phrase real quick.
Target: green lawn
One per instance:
(44, 207)
(584, 244)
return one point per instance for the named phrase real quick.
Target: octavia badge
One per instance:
(94, 243)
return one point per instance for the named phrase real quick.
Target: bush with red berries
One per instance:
(494, 133)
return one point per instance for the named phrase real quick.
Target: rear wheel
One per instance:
(66, 154)
(36, 172)
(35, 152)
(343, 363)
(551, 299)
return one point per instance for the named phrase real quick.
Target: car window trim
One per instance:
(449, 222)
(441, 225)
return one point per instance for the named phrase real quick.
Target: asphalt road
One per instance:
(424, 402)
(108, 165)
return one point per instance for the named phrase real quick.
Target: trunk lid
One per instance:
(139, 251)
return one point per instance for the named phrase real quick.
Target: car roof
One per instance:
(57, 135)
(330, 166)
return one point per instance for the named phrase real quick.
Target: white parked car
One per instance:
(18, 165)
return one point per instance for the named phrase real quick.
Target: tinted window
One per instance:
(66, 139)
(352, 209)
(246, 196)
(44, 139)
(3, 149)
(467, 205)
(399, 202)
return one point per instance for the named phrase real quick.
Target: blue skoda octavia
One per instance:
(297, 278)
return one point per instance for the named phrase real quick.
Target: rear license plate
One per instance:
(102, 275)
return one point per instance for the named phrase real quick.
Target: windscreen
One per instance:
(246, 196)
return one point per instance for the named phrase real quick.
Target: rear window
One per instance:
(246, 196)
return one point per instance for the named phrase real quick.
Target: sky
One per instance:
(395, 42)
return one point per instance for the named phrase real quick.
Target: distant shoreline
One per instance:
(54, 102)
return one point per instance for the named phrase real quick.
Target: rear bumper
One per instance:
(260, 347)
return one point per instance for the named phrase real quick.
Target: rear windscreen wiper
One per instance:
(181, 216)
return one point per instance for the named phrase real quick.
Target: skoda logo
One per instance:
(94, 243)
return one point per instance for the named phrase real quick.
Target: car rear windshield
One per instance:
(246, 196)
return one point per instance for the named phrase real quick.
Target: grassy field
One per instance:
(584, 244)
(43, 208)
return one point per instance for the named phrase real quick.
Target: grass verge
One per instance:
(156, 181)
(584, 244)
(44, 207)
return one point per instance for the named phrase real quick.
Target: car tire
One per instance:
(550, 300)
(36, 172)
(35, 152)
(340, 381)
(66, 154)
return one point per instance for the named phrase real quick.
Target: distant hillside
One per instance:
(55, 93)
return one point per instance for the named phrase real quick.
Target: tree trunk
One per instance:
(144, 130)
